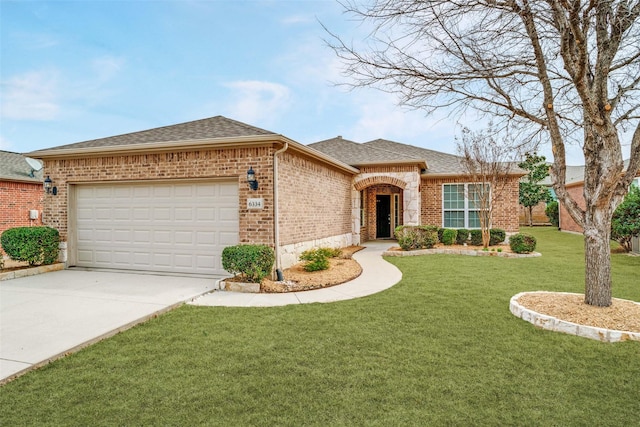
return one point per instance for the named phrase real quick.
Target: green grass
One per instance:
(439, 348)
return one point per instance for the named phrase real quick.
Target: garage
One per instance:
(170, 227)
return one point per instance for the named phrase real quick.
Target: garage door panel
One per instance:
(179, 227)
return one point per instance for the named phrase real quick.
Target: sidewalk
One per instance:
(377, 275)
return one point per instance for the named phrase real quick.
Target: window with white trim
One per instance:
(363, 207)
(460, 205)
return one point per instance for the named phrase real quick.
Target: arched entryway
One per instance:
(381, 203)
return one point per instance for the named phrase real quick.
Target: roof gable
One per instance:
(357, 154)
(212, 128)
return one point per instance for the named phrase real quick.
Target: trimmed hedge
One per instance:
(35, 245)
(496, 236)
(522, 243)
(449, 236)
(254, 262)
(463, 236)
(412, 237)
(476, 237)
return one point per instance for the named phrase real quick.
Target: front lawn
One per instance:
(439, 348)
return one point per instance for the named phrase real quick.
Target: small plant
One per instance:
(412, 237)
(496, 236)
(499, 249)
(253, 262)
(315, 259)
(485, 249)
(449, 236)
(35, 245)
(476, 237)
(463, 236)
(522, 243)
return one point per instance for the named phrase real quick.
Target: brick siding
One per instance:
(538, 213)
(315, 199)
(566, 222)
(505, 212)
(16, 200)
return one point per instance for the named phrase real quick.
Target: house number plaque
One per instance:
(255, 203)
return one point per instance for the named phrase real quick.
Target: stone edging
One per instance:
(557, 325)
(32, 271)
(471, 252)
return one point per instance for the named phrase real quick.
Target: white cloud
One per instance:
(30, 96)
(5, 145)
(297, 19)
(258, 101)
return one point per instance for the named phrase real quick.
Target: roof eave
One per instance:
(187, 145)
(421, 163)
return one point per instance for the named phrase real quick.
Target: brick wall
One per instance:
(315, 199)
(505, 211)
(256, 226)
(16, 200)
(566, 222)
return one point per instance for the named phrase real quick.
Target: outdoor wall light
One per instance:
(251, 179)
(48, 186)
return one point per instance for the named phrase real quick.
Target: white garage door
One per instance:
(163, 227)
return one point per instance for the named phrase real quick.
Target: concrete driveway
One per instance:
(45, 316)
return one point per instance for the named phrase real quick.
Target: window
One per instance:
(396, 210)
(460, 205)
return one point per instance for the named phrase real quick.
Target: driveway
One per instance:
(45, 316)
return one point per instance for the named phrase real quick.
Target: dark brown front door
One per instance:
(383, 216)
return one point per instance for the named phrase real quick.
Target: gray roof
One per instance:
(14, 167)
(385, 151)
(355, 154)
(212, 128)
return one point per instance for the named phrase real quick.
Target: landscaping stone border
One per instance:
(470, 252)
(557, 325)
(31, 271)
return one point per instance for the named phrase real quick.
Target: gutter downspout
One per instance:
(276, 225)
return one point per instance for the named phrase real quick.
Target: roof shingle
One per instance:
(13, 167)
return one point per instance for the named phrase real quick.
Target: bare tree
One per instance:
(566, 69)
(489, 164)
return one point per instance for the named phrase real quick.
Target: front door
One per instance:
(383, 216)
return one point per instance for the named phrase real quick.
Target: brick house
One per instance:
(21, 193)
(170, 199)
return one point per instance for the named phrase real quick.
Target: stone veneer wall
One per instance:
(566, 222)
(407, 177)
(505, 212)
(16, 200)
(256, 226)
(315, 203)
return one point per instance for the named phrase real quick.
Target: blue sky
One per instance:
(72, 71)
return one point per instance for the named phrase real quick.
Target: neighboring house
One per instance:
(170, 199)
(21, 192)
(575, 188)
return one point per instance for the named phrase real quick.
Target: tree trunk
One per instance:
(530, 216)
(597, 254)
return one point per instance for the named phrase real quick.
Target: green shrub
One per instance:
(449, 236)
(476, 237)
(330, 252)
(522, 243)
(552, 213)
(625, 223)
(315, 259)
(412, 237)
(254, 262)
(463, 236)
(440, 232)
(35, 245)
(496, 236)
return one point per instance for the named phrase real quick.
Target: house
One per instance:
(170, 199)
(21, 192)
(575, 188)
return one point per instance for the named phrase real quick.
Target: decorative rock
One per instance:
(558, 325)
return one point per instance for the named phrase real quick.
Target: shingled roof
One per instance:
(385, 151)
(355, 154)
(13, 167)
(217, 127)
